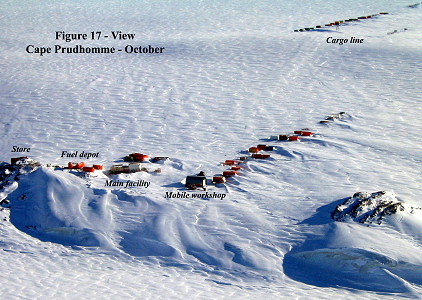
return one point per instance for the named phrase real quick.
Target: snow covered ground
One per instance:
(232, 74)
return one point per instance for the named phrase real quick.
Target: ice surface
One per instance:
(233, 73)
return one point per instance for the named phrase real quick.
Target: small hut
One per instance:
(193, 182)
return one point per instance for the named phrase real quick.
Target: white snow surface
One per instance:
(233, 74)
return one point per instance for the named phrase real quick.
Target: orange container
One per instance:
(79, 165)
(230, 162)
(97, 167)
(88, 169)
(235, 168)
(294, 138)
(253, 149)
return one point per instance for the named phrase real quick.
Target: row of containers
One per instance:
(258, 152)
(199, 181)
(134, 164)
(80, 166)
(341, 22)
(134, 160)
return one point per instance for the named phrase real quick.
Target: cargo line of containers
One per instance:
(341, 22)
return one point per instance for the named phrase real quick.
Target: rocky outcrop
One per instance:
(364, 207)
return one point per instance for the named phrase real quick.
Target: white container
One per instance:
(134, 167)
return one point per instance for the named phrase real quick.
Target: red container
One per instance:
(253, 149)
(159, 158)
(324, 121)
(229, 173)
(70, 165)
(139, 157)
(243, 158)
(260, 156)
(235, 168)
(230, 162)
(307, 133)
(88, 169)
(218, 179)
(137, 154)
(297, 132)
(97, 167)
(294, 138)
(261, 147)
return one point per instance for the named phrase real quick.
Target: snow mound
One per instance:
(56, 205)
(59, 207)
(364, 207)
(371, 242)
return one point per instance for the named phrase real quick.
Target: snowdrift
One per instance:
(57, 206)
